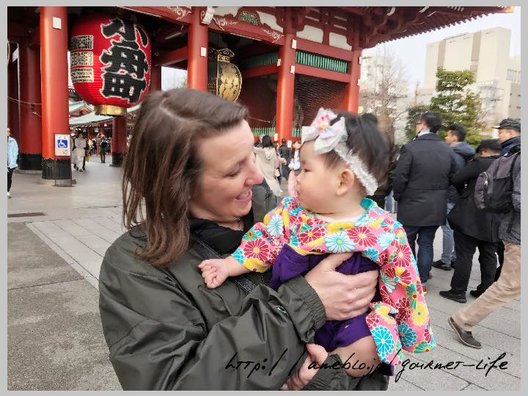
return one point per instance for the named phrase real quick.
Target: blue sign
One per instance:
(62, 145)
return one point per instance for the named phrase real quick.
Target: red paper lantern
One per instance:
(110, 63)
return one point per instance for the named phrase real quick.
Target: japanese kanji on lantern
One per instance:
(110, 63)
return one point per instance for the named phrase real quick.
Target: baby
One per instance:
(343, 159)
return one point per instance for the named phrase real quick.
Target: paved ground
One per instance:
(55, 340)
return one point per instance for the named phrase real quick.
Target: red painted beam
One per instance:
(174, 14)
(197, 63)
(321, 49)
(30, 139)
(321, 73)
(285, 89)
(260, 71)
(54, 75)
(167, 58)
(351, 101)
(231, 25)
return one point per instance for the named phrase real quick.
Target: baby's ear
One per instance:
(347, 179)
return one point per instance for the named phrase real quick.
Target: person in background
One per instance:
(455, 138)
(508, 286)
(284, 154)
(12, 160)
(267, 163)
(295, 167)
(473, 228)
(422, 176)
(80, 151)
(102, 148)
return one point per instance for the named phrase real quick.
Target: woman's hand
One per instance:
(317, 354)
(343, 296)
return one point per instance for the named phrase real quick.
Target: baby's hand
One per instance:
(214, 272)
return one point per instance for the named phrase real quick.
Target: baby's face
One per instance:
(317, 183)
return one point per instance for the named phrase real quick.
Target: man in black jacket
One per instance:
(421, 179)
(473, 228)
(455, 138)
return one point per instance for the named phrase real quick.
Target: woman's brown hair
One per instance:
(162, 165)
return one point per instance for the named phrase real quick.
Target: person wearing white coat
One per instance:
(80, 146)
(267, 161)
(12, 156)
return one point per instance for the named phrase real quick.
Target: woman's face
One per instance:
(223, 191)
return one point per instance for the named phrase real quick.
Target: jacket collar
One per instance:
(510, 144)
(428, 136)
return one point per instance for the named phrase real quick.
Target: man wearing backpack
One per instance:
(508, 286)
(473, 228)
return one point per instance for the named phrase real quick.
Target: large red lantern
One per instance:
(110, 63)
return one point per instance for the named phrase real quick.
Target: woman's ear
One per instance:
(347, 179)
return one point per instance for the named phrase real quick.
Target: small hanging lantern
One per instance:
(225, 79)
(110, 63)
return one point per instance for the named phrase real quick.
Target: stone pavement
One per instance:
(57, 237)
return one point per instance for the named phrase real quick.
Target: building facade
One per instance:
(295, 58)
(487, 54)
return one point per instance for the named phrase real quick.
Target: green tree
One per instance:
(456, 103)
(413, 114)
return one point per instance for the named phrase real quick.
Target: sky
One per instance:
(411, 51)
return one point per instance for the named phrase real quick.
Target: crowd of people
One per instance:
(83, 148)
(434, 184)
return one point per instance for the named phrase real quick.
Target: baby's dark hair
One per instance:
(367, 142)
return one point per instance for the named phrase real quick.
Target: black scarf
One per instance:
(222, 240)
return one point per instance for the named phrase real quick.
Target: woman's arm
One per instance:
(160, 337)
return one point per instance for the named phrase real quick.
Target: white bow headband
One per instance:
(333, 137)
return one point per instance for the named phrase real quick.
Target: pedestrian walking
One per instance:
(102, 148)
(473, 228)
(80, 152)
(508, 286)
(12, 160)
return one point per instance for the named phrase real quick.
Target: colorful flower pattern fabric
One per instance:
(401, 320)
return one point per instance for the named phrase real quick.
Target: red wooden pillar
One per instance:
(285, 89)
(55, 109)
(351, 102)
(197, 55)
(13, 104)
(30, 142)
(155, 78)
(119, 134)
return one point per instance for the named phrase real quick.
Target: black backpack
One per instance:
(494, 187)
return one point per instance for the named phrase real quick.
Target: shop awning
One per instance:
(94, 119)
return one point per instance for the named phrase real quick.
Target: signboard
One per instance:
(62, 145)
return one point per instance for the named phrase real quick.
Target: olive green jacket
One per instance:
(166, 330)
